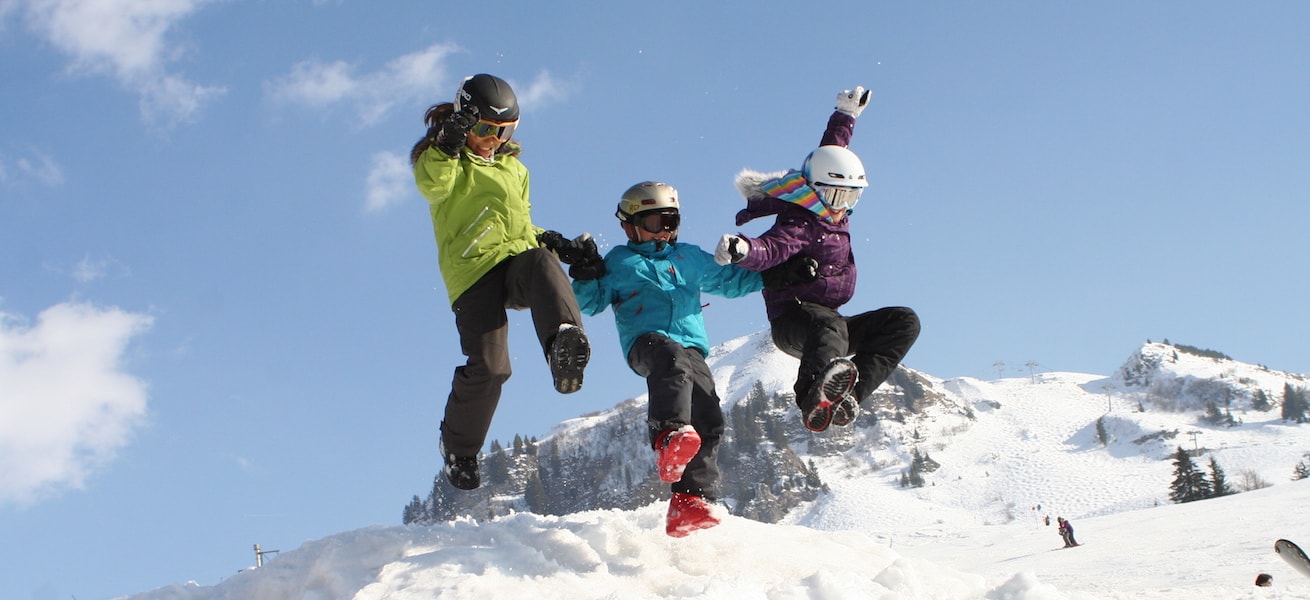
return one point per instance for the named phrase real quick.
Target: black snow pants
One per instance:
(876, 341)
(681, 392)
(532, 280)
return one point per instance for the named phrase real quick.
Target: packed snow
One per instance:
(978, 529)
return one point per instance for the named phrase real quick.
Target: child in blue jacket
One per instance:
(654, 284)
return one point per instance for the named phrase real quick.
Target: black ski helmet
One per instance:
(494, 98)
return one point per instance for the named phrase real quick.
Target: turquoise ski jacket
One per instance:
(658, 290)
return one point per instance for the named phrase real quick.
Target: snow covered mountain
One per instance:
(579, 513)
(979, 438)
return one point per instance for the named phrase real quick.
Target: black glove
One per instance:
(592, 269)
(571, 252)
(797, 269)
(583, 258)
(453, 132)
(551, 240)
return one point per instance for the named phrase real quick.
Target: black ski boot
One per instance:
(460, 471)
(569, 353)
(829, 395)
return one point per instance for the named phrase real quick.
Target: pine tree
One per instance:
(497, 465)
(1294, 403)
(415, 512)
(1218, 481)
(1301, 471)
(1212, 413)
(1189, 483)
(916, 469)
(535, 495)
(1101, 434)
(812, 478)
(1261, 401)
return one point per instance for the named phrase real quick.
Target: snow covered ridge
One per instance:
(772, 467)
(826, 516)
(1179, 377)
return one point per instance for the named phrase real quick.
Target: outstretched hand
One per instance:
(570, 252)
(852, 102)
(580, 253)
(731, 249)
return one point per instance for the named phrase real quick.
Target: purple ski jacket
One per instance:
(799, 232)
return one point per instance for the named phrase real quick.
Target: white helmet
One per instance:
(836, 174)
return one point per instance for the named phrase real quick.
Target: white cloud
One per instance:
(42, 168)
(390, 181)
(66, 404)
(33, 166)
(91, 269)
(315, 84)
(170, 100)
(416, 76)
(127, 40)
(543, 90)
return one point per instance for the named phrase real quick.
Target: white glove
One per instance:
(731, 249)
(852, 102)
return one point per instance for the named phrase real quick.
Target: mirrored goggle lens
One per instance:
(502, 131)
(839, 197)
(657, 222)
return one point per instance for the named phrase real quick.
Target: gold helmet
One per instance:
(645, 196)
(652, 206)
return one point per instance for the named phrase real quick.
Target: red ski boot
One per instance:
(676, 448)
(688, 513)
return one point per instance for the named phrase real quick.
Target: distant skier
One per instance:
(477, 192)
(1066, 532)
(654, 285)
(813, 206)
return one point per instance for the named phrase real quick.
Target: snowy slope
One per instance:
(1005, 447)
(1166, 552)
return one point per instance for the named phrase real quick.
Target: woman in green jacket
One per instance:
(477, 190)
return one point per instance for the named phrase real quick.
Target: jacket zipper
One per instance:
(480, 235)
(475, 220)
(475, 241)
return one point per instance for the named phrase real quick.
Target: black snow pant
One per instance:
(532, 280)
(876, 341)
(681, 392)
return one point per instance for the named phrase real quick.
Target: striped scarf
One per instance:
(793, 188)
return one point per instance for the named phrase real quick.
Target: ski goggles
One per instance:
(655, 222)
(837, 196)
(502, 131)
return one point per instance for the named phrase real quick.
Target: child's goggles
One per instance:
(656, 222)
(502, 131)
(838, 197)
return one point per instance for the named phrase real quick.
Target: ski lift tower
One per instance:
(259, 555)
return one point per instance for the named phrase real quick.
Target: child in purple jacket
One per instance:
(812, 226)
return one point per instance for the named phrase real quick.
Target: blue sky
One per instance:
(220, 310)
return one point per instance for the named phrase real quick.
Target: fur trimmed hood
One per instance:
(750, 183)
